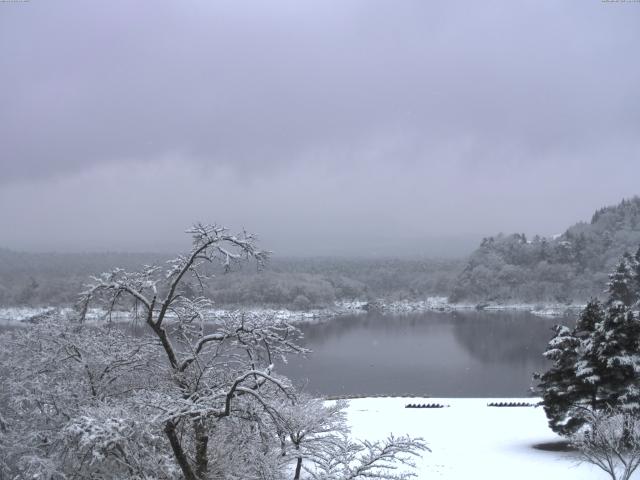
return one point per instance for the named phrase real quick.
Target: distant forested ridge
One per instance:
(38, 279)
(571, 267)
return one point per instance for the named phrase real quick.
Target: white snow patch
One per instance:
(470, 440)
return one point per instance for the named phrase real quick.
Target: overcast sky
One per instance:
(327, 127)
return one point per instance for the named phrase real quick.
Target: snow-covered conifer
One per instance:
(589, 368)
(622, 285)
(597, 365)
(558, 385)
(197, 397)
(619, 355)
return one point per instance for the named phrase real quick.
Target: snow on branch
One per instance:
(344, 459)
(611, 441)
(210, 244)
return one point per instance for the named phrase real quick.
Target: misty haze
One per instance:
(319, 240)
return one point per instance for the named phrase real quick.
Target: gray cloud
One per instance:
(311, 121)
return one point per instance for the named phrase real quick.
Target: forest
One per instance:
(30, 279)
(567, 268)
(571, 267)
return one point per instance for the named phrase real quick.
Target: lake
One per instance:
(456, 354)
(459, 354)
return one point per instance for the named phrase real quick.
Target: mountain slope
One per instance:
(569, 268)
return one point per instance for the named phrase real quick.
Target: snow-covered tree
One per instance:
(196, 397)
(597, 365)
(636, 273)
(72, 399)
(573, 382)
(316, 439)
(558, 387)
(589, 368)
(610, 440)
(211, 368)
(307, 424)
(619, 352)
(623, 284)
(345, 459)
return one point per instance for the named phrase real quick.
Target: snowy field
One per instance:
(470, 440)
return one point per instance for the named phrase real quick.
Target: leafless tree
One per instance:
(211, 363)
(346, 459)
(611, 441)
(307, 423)
(196, 397)
(72, 402)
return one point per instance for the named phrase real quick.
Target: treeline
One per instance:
(28, 279)
(45, 279)
(367, 278)
(506, 268)
(569, 268)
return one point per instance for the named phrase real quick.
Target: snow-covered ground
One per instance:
(470, 440)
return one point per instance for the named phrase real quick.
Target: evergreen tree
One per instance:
(579, 247)
(636, 273)
(597, 365)
(558, 386)
(619, 353)
(622, 286)
(589, 368)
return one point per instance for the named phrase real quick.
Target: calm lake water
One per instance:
(461, 354)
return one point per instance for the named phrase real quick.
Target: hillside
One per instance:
(569, 268)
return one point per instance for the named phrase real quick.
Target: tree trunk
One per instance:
(298, 469)
(166, 344)
(178, 452)
(202, 455)
(298, 466)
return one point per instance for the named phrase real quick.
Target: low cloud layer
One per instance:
(327, 127)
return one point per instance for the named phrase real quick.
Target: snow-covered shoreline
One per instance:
(441, 304)
(19, 315)
(26, 315)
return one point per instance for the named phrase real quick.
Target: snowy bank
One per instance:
(470, 440)
(34, 314)
(430, 304)
(441, 304)
(18, 315)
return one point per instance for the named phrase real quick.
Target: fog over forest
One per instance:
(568, 268)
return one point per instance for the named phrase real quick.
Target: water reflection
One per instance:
(504, 337)
(463, 354)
